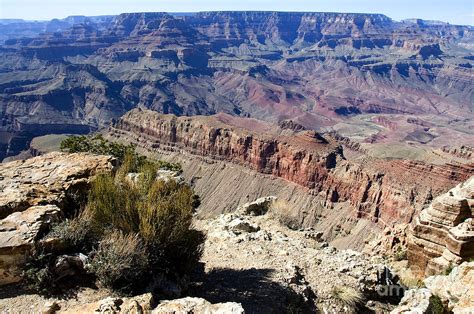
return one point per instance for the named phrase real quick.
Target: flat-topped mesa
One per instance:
(301, 157)
(443, 233)
(383, 191)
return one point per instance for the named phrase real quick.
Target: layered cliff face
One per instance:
(443, 233)
(322, 70)
(16, 28)
(387, 192)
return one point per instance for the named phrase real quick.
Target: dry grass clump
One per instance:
(286, 214)
(347, 296)
(121, 261)
(409, 279)
(74, 233)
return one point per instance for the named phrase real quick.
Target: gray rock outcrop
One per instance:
(36, 193)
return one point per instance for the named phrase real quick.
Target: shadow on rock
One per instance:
(253, 288)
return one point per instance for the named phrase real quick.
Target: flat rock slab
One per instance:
(18, 233)
(46, 179)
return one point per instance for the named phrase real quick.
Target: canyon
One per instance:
(325, 148)
(349, 73)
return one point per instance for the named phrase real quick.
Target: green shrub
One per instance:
(159, 212)
(113, 205)
(347, 296)
(436, 305)
(148, 172)
(95, 144)
(37, 274)
(165, 225)
(132, 229)
(161, 215)
(121, 261)
(75, 234)
(124, 153)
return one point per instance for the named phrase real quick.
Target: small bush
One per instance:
(98, 145)
(121, 261)
(400, 254)
(37, 274)
(347, 296)
(148, 173)
(95, 144)
(436, 305)
(410, 280)
(75, 233)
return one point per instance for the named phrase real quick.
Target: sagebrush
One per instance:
(121, 261)
(347, 296)
(133, 227)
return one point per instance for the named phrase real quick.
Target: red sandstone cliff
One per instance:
(381, 190)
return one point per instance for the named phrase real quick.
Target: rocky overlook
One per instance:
(254, 259)
(323, 70)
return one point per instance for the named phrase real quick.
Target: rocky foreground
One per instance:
(252, 262)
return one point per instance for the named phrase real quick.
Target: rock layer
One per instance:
(18, 233)
(197, 305)
(379, 190)
(443, 233)
(456, 289)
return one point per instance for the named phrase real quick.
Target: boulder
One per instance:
(161, 174)
(70, 265)
(56, 178)
(115, 305)
(167, 175)
(18, 233)
(239, 225)
(35, 193)
(414, 301)
(456, 289)
(257, 207)
(197, 305)
(443, 233)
